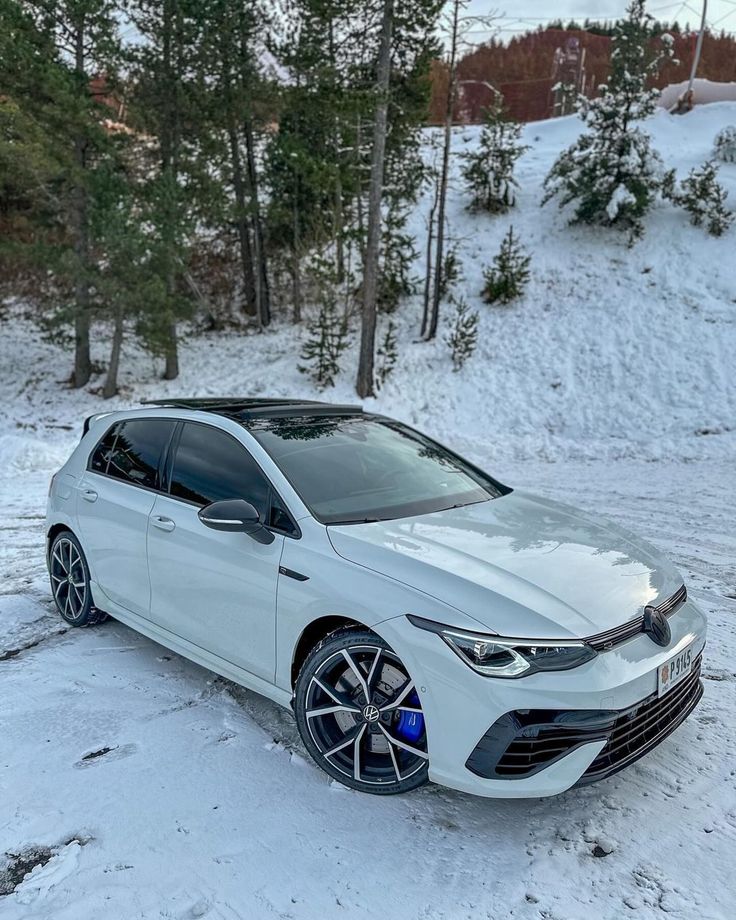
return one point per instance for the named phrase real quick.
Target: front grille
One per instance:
(604, 641)
(524, 742)
(641, 727)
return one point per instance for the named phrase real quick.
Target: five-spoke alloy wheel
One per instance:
(70, 582)
(359, 714)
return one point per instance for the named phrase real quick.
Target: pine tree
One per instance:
(452, 271)
(327, 340)
(49, 54)
(611, 173)
(387, 355)
(506, 278)
(397, 257)
(724, 146)
(463, 334)
(489, 170)
(703, 197)
(166, 99)
(237, 102)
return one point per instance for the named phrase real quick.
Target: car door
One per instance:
(215, 589)
(116, 495)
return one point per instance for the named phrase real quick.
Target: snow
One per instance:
(157, 790)
(704, 92)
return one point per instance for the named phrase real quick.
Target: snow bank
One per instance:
(704, 92)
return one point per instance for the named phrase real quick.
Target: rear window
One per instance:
(131, 451)
(102, 453)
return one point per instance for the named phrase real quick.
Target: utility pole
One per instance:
(698, 48)
(685, 101)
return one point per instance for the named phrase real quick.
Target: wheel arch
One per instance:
(54, 531)
(313, 633)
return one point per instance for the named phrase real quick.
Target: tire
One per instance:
(383, 730)
(70, 582)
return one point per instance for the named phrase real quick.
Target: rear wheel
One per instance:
(359, 714)
(70, 582)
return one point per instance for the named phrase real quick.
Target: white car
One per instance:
(423, 620)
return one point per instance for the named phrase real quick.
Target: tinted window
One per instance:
(349, 470)
(101, 455)
(137, 452)
(211, 466)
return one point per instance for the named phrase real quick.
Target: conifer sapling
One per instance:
(506, 278)
(489, 170)
(463, 333)
(724, 146)
(703, 197)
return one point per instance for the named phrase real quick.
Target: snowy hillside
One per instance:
(611, 352)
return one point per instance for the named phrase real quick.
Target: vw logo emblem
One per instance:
(656, 626)
(371, 713)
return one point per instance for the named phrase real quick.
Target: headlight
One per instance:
(497, 657)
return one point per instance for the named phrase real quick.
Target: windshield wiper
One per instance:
(366, 520)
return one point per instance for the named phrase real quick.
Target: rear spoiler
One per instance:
(92, 418)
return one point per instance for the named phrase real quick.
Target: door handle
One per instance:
(163, 523)
(89, 495)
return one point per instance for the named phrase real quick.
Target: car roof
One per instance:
(243, 408)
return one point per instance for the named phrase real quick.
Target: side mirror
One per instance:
(235, 515)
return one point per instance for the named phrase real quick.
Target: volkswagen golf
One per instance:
(423, 620)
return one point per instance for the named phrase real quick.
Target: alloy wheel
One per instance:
(68, 579)
(364, 715)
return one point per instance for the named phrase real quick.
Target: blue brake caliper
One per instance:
(411, 724)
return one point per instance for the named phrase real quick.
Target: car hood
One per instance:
(520, 565)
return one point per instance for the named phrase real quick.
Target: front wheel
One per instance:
(69, 574)
(359, 714)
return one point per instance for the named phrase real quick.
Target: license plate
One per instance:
(673, 671)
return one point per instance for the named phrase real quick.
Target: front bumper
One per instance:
(609, 705)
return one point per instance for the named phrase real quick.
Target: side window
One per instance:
(211, 466)
(137, 452)
(101, 454)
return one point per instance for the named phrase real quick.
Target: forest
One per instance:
(174, 164)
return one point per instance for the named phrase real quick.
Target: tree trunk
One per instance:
(241, 221)
(170, 140)
(171, 369)
(296, 277)
(263, 298)
(82, 360)
(365, 384)
(431, 331)
(428, 276)
(111, 381)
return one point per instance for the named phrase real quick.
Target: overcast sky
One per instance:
(519, 15)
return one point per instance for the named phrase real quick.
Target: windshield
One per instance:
(358, 469)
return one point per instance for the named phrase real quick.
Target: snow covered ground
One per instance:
(141, 786)
(164, 792)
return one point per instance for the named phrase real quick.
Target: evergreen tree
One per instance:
(327, 331)
(506, 278)
(49, 54)
(452, 271)
(463, 334)
(237, 103)
(166, 101)
(387, 355)
(703, 197)
(611, 173)
(489, 170)
(397, 257)
(724, 146)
